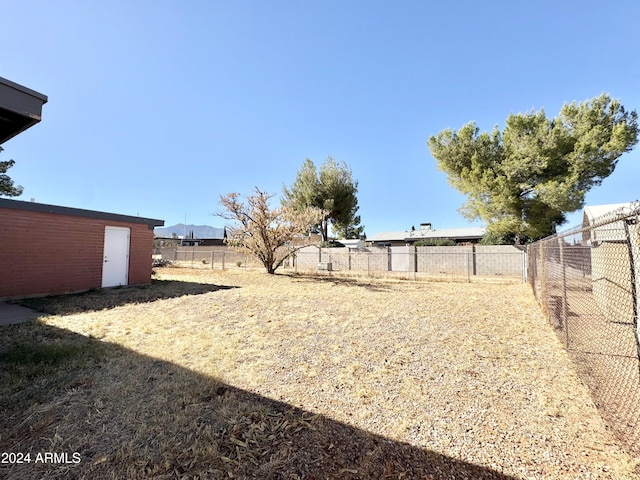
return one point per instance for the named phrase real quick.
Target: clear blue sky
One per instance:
(156, 108)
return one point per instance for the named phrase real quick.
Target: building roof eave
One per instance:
(20, 108)
(77, 212)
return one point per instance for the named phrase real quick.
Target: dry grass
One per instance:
(299, 377)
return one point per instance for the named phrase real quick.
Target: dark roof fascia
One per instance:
(24, 89)
(20, 108)
(77, 212)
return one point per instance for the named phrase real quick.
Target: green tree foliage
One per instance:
(7, 187)
(493, 239)
(523, 180)
(331, 189)
(263, 232)
(435, 242)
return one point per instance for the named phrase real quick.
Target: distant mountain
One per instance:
(199, 231)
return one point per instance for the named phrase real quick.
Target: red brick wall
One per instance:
(45, 253)
(141, 250)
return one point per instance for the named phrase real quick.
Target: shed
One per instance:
(49, 249)
(612, 232)
(603, 223)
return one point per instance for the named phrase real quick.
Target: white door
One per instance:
(115, 263)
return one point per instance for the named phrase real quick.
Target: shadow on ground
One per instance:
(109, 412)
(105, 298)
(342, 280)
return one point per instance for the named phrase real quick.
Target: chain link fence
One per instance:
(587, 281)
(461, 263)
(203, 257)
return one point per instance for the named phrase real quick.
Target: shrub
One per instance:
(161, 262)
(435, 242)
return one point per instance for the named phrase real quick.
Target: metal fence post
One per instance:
(474, 258)
(565, 307)
(544, 297)
(633, 264)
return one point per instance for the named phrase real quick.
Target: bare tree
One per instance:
(262, 232)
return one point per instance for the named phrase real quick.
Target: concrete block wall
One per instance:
(498, 260)
(491, 260)
(456, 260)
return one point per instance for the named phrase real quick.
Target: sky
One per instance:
(157, 108)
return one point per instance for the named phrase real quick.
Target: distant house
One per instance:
(352, 244)
(202, 242)
(302, 240)
(175, 242)
(426, 232)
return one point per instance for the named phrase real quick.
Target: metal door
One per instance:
(115, 264)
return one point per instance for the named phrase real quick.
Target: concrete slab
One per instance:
(11, 314)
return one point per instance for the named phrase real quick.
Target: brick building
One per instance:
(48, 249)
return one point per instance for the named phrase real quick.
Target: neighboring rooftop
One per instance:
(20, 108)
(426, 232)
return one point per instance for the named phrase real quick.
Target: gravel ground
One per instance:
(394, 379)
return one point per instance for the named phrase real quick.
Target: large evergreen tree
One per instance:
(523, 180)
(7, 188)
(331, 189)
